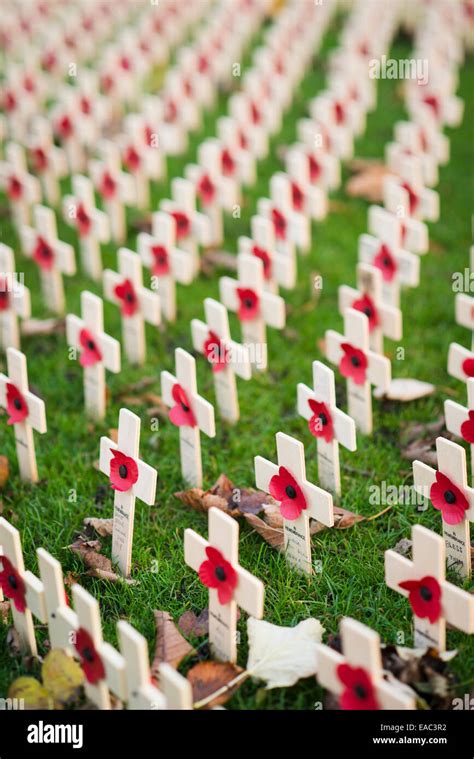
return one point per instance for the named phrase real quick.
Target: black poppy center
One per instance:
(386, 262)
(88, 654)
(355, 361)
(368, 311)
(184, 407)
(45, 251)
(426, 593)
(18, 404)
(323, 418)
(123, 471)
(91, 345)
(248, 302)
(130, 297)
(449, 496)
(220, 573)
(3, 294)
(12, 581)
(290, 491)
(360, 692)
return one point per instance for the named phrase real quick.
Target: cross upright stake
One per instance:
(434, 601)
(331, 426)
(407, 192)
(192, 228)
(140, 692)
(460, 362)
(130, 478)
(299, 499)
(278, 268)
(49, 161)
(291, 227)
(230, 586)
(22, 188)
(464, 308)
(460, 420)
(92, 225)
(115, 186)
(408, 233)
(14, 300)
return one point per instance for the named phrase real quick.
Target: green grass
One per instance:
(352, 578)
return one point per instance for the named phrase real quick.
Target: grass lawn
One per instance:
(352, 577)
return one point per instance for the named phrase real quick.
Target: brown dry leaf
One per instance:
(272, 535)
(37, 327)
(322, 345)
(4, 471)
(212, 259)
(207, 677)
(170, 647)
(4, 611)
(368, 183)
(113, 434)
(98, 565)
(13, 642)
(103, 527)
(194, 624)
(136, 387)
(226, 496)
(343, 518)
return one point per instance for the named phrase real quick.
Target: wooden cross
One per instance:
(226, 357)
(92, 225)
(140, 692)
(460, 420)
(464, 310)
(26, 412)
(361, 366)
(52, 256)
(291, 227)
(460, 362)
(230, 586)
(115, 186)
(192, 228)
(176, 689)
(299, 499)
(278, 268)
(188, 411)
(23, 189)
(130, 478)
(331, 426)
(412, 234)
(406, 195)
(448, 491)
(14, 300)
(423, 136)
(434, 601)
(146, 140)
(98, 351)
(137, 303)
(255, 307)
(322, 168)
(308, 198)
(49, 160)
(383, 319)
(168, 264)
(253, 134)
(237, 157)
(399, 267)
(395, 153)
(356, 675)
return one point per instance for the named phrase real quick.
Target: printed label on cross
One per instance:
(130, 478)
(356, 676)
(278, 268)
(23, 189)
(115, 186)
(434, 601)
(192, 228)
(330, 426)
(140, 692)
(188, 411)
(448, 491)
(255, 307)
(383, 319)
(168, 264)
(92, 225)
(460, 420)
(53, 257)
(406, 193)
(137, 303)
(299, 499)
(230, 586)
(464, 310)
(98, 351)
(226, 357)
(361, 366)
(49, 160)
(26, 412)
(15, 300)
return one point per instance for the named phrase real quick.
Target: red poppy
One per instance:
(243, 142)
(359, 691)
(432, 102)
(285, 489)
(227, 163)
(183, 224)
(171, 111)
(84, 221)
(279, 223)
(353, 364)
(321, 424)
(203, 64)
(107, 83)
(386, 263)
(107, 186)
(161, 262)
(425, 597)
(14, 188)
(188, 90)
(4, 295)
(124, 63)
(181, 414)
(90, 353)
(17, 407)
(125, 292)
(206, 189)
(216, 572)
(367, 306)
(297, 196)
(449, 499)
(131, 159)
(65, 127)
(315, 169)
(468, 367)
(216, 352)
(85, 106)
(123, 472)
(249, 304)
(29, 83)
(43, 254)
(265, 258)
(339, 113)
(91, 662)
(467, 427)
(9, 101)
(413, 199)
(40, 159)
(148, 134)
(12, 584)
(255, 114)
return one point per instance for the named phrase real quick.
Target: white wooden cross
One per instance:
(360, 365)
(464, 311)
(138, 304)
(22, 188)
(248, 592)
(66, 119)
(226, 357)
(412, 234)
(14, 299)
(361, 653)
(176, 689)
(451, 482)
(394, 153)
(146, 139)
(192, 228)
(406, 196)
(131, 473)
(460, 420)
(312, 501)
(331, 426)
(278, 268)
(322, 168)
(460, 362)
(255, 307)
(383, 318)
(53, 257)
(190, 412)
(27, 409)
(291, 227)
(49, 160)
(382, 249)
(115, 186)
(168, 264)
(135, 158)
(93, 226)
(98, 351)
(140, 691)
(428, 561)
(60, 617)
(308, 198)
(236, 156)
(424, 136)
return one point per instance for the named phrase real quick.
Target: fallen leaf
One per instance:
(403, 547)
(13, 642)
(367, 182)
(212, 259)
(425, 672)
(207, 677)
(33, 695)
(194, 624)
(113, 434)
(321, 343)
(4, 611)
(136, 387)
(290, 334)
(98, 565)
(272, 535)
(103, 527)
(37, 327)
(62, 676)
(226, 496)
(170, 646)
(404, 390)
(4, 471)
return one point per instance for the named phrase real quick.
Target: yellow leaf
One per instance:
(32, 694)
(62, 676)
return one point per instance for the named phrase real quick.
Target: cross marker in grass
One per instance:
(92, 225)
(292, 228)
(115, 186)
(140, 691)
(406, 194)
(460, 419)
(14, 300)
(49, 161)
(23, 189)
(192, 228)
(278, 268)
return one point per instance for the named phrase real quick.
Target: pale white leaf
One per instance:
(404, 389)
